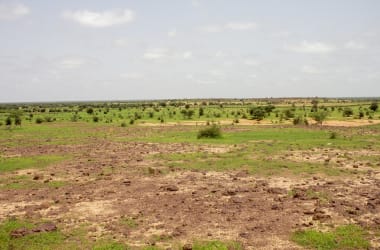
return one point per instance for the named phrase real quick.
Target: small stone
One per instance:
(187, 247)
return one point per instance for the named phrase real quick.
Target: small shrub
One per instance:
(374, 106)
(90, 111)
(39, 120)
(95, 119)
(333, 135)
(210, 132)
(131, 122)
(123, 124)
(347, 112)
(18, 120)
(299, 120)
(8, 121)
(49, 119)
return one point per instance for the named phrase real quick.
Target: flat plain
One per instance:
(282, 174)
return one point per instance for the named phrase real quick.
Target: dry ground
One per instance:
(116, 189)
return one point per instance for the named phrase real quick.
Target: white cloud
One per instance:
(100, 19)
(354, 45)
(312, 48)
(187, 55)
(211, 28)
(121, 42)
(195, 3)
(251, 62)
(72, 63)
(13, 11)
(155, 54)
(308, 69)
(133, 76)
(241, 26)
(238, 26)
(172, 33)
(220, 54)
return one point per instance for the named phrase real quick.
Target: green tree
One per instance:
(374, 106)
(314, 104)
(18, 120)
(320, 116)
(348, 112)
(8, 121)
(201, 111)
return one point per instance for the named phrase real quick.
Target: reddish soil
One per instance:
(109, 182)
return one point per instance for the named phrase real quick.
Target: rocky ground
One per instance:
(117, 190)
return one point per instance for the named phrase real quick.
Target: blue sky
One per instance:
(119, 50)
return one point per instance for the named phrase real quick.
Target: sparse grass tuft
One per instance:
(212, 131)
(217, 245)
(17, 163)
(36, 241)
(343, 237)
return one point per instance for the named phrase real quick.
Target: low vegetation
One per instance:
(191, 174)
(343, 237)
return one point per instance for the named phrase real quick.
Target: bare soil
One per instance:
(110, 182)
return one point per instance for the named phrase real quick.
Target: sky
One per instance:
(83, 50)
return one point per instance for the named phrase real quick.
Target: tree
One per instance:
(18, 120)
(8, 121)
(90, 111)
(374, 106)
(314, 108)
(187, 113)
(320, 116)
(201, 111)
(348, 112)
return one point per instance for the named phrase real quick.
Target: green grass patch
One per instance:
(217, 245)
(18, 163)
(110, 246)
(343, 237)
(255, 161)
(36, 241)
(128, 222)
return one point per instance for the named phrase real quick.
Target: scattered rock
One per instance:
(37, 177)
(187, 247)
(276, 190)
(230, 192)
(171, 188)
(21, 232)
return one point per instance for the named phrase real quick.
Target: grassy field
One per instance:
(153, 184)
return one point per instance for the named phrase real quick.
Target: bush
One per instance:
(257, 113)
(299, 120)
(289, 113)
(49, 119)
(374, 106)
(347, 112)
(8, 121)
(210, 132)
(320, 116)
(90, 111)
(39, 120)
(333, 135)
(123, 124)
(95, 119)
(18, 120)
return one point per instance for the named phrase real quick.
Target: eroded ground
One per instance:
(131, 192)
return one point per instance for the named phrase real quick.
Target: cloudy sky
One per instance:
(119, 49)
